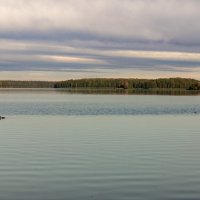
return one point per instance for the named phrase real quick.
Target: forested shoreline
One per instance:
(110, 83)
(26, 84)
(169, 83)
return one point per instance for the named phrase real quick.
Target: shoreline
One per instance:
(110, 91)
(164, 86)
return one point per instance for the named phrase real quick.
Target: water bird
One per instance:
(1, 117)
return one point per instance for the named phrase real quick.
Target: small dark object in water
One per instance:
(2, 117)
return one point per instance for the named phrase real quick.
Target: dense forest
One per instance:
(26, 84)
(180, 83)
(170, 83)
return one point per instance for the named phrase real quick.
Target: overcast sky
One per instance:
(62, 39)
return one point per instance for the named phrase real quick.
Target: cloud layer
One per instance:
(154, 20)
(100, 36)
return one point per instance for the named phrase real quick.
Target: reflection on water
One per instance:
(131, 92)
(175, 92)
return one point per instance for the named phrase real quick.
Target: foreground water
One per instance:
(59, 146)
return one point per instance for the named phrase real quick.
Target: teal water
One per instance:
(60, 146)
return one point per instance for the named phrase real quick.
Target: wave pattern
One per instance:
(54, 103)
(100, 157)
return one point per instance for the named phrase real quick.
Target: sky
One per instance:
(70, 39)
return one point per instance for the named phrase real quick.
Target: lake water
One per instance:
(57, 146)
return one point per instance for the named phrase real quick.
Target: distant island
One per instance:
(108, 83)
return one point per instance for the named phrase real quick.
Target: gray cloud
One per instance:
(100, 35)
(51, 56)
(172, 21)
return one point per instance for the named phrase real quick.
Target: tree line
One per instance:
(111, 83)
(180, 83)
(26, 84)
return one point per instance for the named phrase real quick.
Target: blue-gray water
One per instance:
(56, 146)
(53, 102)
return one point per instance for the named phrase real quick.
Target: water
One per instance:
(60, 146)
(53, 102)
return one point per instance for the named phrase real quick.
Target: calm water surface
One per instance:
(55, 145)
